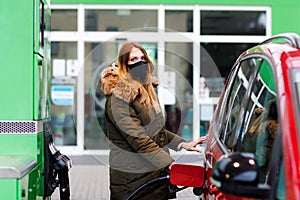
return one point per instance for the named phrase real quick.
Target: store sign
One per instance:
(62, 95)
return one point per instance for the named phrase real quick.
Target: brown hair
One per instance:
(148, 95)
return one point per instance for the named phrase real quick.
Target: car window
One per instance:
(233, 104)
(260, 122)
(281, 190)
(223, 113)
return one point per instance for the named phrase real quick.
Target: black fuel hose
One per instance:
(154, 181)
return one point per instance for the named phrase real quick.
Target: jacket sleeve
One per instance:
(174, 140)
(129, 125)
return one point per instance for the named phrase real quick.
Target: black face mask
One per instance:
(139, 71)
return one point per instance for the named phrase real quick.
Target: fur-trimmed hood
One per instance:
(111, 84)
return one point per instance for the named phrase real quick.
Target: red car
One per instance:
(253, 147)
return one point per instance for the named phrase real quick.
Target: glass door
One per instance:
(99, 55)
(178, 88)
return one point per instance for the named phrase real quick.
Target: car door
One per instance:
(259, 131)
(236, 107)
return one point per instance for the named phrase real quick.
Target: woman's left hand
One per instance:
(191, 146)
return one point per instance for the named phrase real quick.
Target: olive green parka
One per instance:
(139, 142)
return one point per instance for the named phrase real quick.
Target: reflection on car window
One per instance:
(221, 111)
(281, 190)
(260, 124)
(235, 98)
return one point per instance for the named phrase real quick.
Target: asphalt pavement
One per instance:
(89, 178)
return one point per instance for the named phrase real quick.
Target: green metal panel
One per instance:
(36, 27)
(32, 184)
(202, 2)
(37, 62)
(41, 64)
(16, 81)
(23, 83)
(23, 144)
(36, 182)
(285, 17)
(42, 77)
(36, 82)
(8, 188)
(24, 93)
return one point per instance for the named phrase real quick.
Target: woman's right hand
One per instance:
(191, 146)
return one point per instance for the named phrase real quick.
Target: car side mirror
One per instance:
(238, 174)
(187, 175)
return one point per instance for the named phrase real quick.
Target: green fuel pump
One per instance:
(31, 167)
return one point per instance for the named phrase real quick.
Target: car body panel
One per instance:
(289, 131)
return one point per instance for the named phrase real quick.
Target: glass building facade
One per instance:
(193, 48)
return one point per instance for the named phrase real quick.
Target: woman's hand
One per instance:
(191, 146)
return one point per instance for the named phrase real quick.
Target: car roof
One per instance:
(281, 49)
(277, 54)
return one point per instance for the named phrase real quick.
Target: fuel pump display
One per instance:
(31, 167)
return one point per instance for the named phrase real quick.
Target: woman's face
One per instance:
(135, 56)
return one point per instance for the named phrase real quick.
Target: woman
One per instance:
(135, 127)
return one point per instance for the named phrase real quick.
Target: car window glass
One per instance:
(234, 102)
(281, 190)
(227, 103)
(260, 120)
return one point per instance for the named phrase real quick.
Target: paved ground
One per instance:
(89, 178)
(90, 182)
